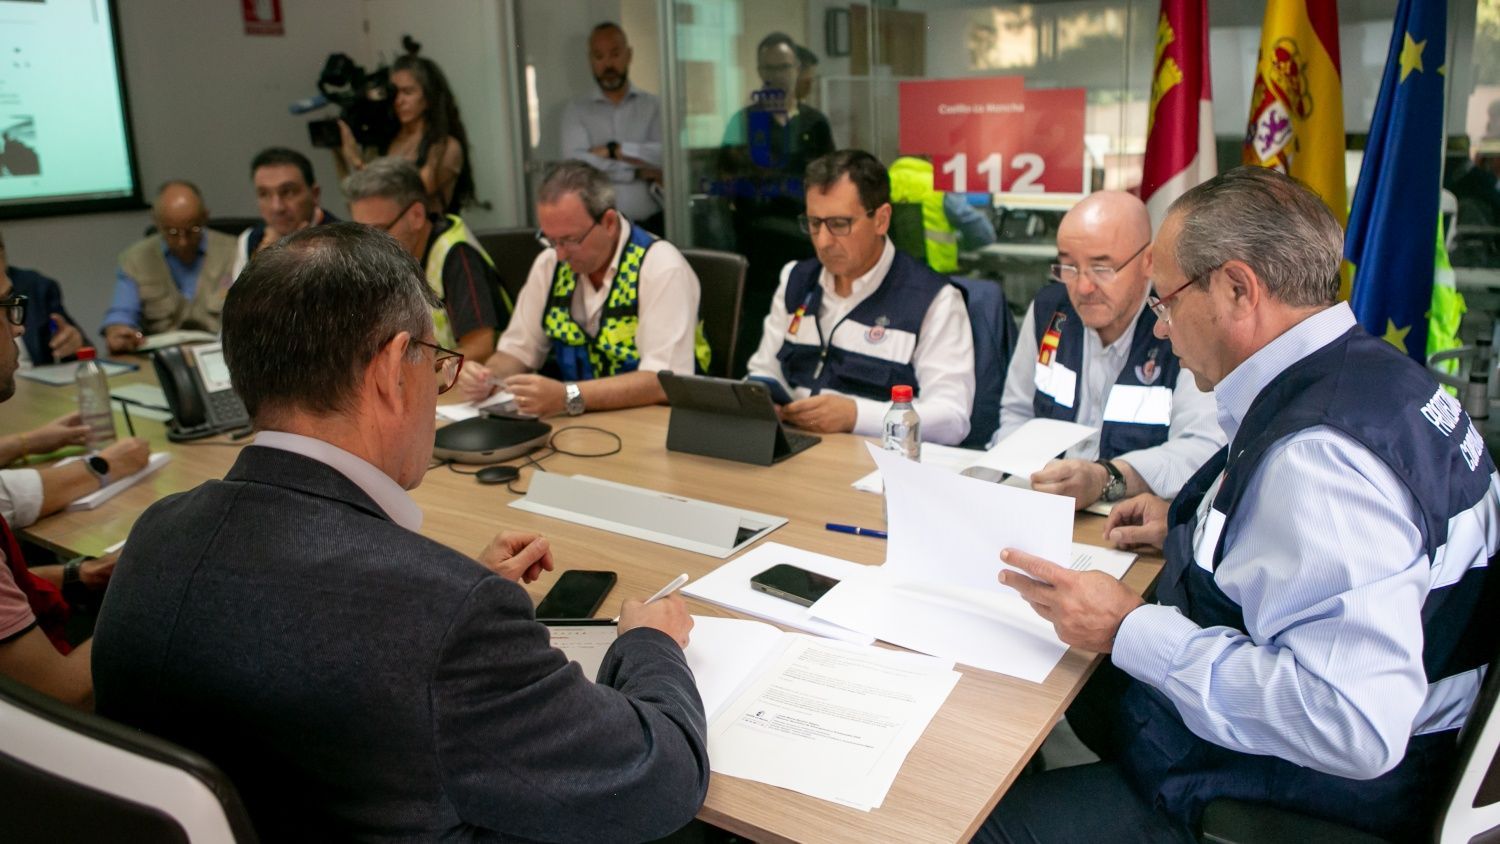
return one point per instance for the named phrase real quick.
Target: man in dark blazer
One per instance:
(51, 334)
(353, 678)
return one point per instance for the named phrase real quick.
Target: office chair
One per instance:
(721, 279)
(513, 250)
(1470, 812)
(81, 777)
(995, 336)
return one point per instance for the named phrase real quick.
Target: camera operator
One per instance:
(431, 135)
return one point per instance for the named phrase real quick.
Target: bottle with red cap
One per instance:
(93, 400)
(903, 430)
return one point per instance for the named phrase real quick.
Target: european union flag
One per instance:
(1393, 224)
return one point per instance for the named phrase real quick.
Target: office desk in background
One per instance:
(968, 756)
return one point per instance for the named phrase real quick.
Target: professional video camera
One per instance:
(365, 102)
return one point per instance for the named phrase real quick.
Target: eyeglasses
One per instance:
(392, 224)
(1100, 273)
(15, 309)
(179, 234)
(446, 364)
(1159, 307)
(565, 242)
(837, 226)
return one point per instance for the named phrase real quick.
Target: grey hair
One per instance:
(593, 188)
(392, 178)
(1282, 230)
(308, 314)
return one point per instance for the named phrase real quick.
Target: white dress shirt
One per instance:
(1326, 561)
(20, 496)
(1193, 435)
(385, 492)
(635, 124)
(667, 304)
(943, 359)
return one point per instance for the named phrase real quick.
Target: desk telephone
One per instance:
(195, 380)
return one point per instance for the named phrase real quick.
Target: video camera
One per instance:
(365, 102)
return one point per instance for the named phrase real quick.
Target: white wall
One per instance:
(204, 98)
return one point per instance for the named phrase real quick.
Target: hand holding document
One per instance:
(1025, 451)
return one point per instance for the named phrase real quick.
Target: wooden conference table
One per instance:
(967, 758)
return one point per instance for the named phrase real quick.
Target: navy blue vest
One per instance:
(1150, 366)
(1429, 443)
(900, 303)
(258, 233)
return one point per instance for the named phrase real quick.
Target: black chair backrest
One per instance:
(995, 335)
(81, 777)
(721, 280)
(1471, 810)
(513, 250)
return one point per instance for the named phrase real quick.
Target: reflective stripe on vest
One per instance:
(456, 233)
(911, 181)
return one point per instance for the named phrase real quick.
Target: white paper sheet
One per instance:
(584, 644)
(949, 529)
(157, 460)
(175, 338)
(63, 374)
(1026, 450)
(729, 586)
(470, 409)
(725, 655)
(829, 719)
(147, 401)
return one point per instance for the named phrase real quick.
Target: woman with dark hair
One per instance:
(431, 136)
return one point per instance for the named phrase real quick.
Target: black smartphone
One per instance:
(790, 583)
(577, 594)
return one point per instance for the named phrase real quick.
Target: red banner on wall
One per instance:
(262, 17)
(992, 135)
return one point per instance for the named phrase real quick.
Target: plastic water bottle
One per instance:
(903, 430)
(93, 400)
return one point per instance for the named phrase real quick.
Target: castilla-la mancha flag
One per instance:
(1297, 102)
(1180, 131)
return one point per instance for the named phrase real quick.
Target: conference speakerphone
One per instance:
(489, 439)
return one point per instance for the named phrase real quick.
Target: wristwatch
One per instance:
(1114, 488)
(614, 150)
(98, 467)
(574, 398)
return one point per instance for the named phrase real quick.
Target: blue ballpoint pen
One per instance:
(857, 531)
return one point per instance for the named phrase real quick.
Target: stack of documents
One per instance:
(939, 591)
(729, 586)
(1026, 450)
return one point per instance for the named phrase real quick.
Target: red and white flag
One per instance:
(1180, 132)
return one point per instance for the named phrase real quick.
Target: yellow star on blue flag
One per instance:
(1396, 336)
(1411, 56)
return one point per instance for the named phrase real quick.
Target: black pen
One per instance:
(125, 409)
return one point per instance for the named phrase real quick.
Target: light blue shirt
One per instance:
(125, 308)
(1327, 562)
(635, 124)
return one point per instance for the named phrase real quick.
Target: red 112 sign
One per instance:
(993, 135)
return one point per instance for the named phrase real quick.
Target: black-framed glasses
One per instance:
(565, 242)
(15, 308)
(392, 224)
(446, 364)
(837, 226)
(1158, 305)
(1100, 273)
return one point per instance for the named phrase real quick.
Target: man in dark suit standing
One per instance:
(353, 678)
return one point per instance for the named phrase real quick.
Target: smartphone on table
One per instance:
(577, 594)
(794, 584)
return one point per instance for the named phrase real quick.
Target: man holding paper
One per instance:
(1087, 353)
(352, 677)
(1326, 608)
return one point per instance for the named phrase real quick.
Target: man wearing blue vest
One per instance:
(1326, 608)
(287, 195)
(860, 318)
(1087, 354)
(606, 306)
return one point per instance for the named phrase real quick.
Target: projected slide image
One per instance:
(18, 146)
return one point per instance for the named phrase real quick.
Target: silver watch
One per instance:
(1114, 488)
(574, 398)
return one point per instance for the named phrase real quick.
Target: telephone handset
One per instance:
(195, 380)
